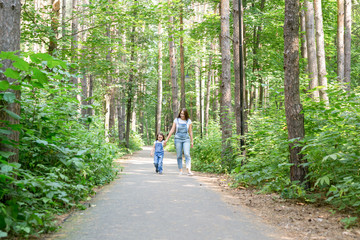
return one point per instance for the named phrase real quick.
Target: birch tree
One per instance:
(172, 56)
(159, 83)
(182, 67)
(310, 38)
(320, 50)
(340, 41)
(347, 45)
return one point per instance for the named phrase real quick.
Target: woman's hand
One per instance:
(192, 144)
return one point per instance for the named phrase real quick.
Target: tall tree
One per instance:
(159, 83)
(54, 25)
(131, 84)
(236, 55)
(182, 67)
(347, 44)
(310, 39)
(320, 50)
(208, 86)
(225, 108)
(293, 107)
(10, 13)
(340, 41)
(74, 33)
(304, 53)
(173, 72)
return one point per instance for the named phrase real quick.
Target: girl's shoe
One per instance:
(180, 173)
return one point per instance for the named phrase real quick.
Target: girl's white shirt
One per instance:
(162, 142)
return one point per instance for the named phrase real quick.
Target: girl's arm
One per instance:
(152, 150)
(171, 132)
(191, 135)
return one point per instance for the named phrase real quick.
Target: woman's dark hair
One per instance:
(185, 112)
(157, 136)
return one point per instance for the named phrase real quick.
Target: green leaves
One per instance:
(12, 114)
(4, 85)
(10, 73)
(39, 75)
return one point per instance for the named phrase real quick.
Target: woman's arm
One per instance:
(171, 132)
(191, 135)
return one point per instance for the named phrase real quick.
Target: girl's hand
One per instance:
(164, 143)
(192, 145)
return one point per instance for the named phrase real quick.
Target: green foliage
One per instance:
(349, 221)
(206, 154)
(266, 163)
(332, 147)
(136, 142)
(60, 160)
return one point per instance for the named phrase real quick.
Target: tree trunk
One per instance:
(182, 67)
(90, 94)
(55, 15)
(159, 86)
(225, 114)
(293, 107)
(74, 39)
(347, 45)
(63, 18)
(107, 117)
(236, 51)
(320, 51)
(130, 87)
(121, 102)
(216, 97)
(10, 13)
(256, 67)
(304, 51)
(340, 41)
(310, 38)
(173, 71)
(208, 85)
(197, 87)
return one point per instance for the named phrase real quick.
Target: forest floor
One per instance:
(300, 220)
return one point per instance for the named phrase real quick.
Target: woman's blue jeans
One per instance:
(183, 145)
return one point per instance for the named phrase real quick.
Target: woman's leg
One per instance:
(179, 150)
(187, 155)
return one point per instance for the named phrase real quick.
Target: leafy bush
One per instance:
(206, 154)
(60, 160)
(332, 147)
(266, 163)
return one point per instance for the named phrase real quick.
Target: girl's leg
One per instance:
(187, 155)
(179, 149)
(156, 163)
(160, 163)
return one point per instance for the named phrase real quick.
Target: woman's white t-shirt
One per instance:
(178, 121)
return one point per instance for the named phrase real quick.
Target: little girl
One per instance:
(158, 148)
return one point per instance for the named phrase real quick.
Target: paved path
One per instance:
(144, 205)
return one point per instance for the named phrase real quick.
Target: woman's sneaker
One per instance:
(190, 174)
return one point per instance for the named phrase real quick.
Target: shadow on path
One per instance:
(144, 205)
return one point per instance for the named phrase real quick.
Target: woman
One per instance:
(183, 139)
